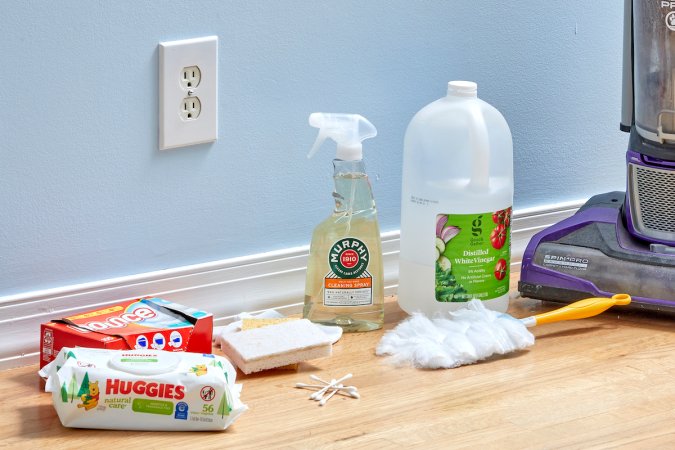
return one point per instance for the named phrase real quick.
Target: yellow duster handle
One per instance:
(588, 307)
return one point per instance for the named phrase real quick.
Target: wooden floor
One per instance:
(603, 382)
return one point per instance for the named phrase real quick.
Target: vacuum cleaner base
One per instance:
(592, 254)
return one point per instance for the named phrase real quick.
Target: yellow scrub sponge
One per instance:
(276, 345)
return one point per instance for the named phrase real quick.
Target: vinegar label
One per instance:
(473, 253)
(348, 283)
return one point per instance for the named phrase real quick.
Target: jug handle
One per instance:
(480, 161)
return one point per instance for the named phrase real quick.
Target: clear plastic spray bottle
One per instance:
(344, 283)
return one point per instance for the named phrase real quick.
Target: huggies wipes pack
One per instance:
(143, 390)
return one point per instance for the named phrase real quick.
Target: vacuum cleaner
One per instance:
(624, 241)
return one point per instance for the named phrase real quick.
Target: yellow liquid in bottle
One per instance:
(344, 273)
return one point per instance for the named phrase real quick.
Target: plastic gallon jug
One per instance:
(457, 198)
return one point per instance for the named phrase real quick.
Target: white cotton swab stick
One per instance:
(326, 383)
(352, 391)
(308, 386)
(327, 389)
(314, 377)
(319, 394)
(325, 399)
(319, 386)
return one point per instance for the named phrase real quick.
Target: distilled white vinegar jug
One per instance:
(457, 198)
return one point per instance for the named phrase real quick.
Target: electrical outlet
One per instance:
(188, 92)
(190, 108)
(191, 77)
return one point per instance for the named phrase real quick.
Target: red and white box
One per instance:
(145, 323)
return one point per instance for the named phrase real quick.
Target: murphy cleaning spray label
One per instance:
(348, 283)
(472, 255)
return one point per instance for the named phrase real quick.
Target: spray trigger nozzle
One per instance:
(347, 130)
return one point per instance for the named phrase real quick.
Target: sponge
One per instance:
(276, 345)
(249, 323)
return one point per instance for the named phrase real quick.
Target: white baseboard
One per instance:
(225, 288)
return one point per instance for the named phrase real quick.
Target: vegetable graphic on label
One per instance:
(472, 255)
(500, 269)
(447, 287)
(498, 236)
(502, 216)
(444, 233)
(503, 220)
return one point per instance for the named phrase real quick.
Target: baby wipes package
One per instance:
(142, 390)
(145, 323)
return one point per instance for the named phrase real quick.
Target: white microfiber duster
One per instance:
(469, 335)
(474, 333)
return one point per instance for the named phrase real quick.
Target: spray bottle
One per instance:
(344, 283)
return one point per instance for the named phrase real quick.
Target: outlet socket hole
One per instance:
(190, 108)
(190, 77)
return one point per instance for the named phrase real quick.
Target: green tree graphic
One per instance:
(216, 363)
(84, 387)
(72, 388)
(224, 407)
(64, 393)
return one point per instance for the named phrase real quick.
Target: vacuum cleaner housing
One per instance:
(616, 242)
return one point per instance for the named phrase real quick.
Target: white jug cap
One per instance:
(462, 88)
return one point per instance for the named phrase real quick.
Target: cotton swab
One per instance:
(328, 389)
(352, 391)
(317, 395)
(325, 399)
(314, 377)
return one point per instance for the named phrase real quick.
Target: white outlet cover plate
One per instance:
(173, 57)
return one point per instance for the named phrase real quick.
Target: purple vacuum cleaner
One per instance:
(624, 242)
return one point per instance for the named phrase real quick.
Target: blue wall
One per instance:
(86, 194)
